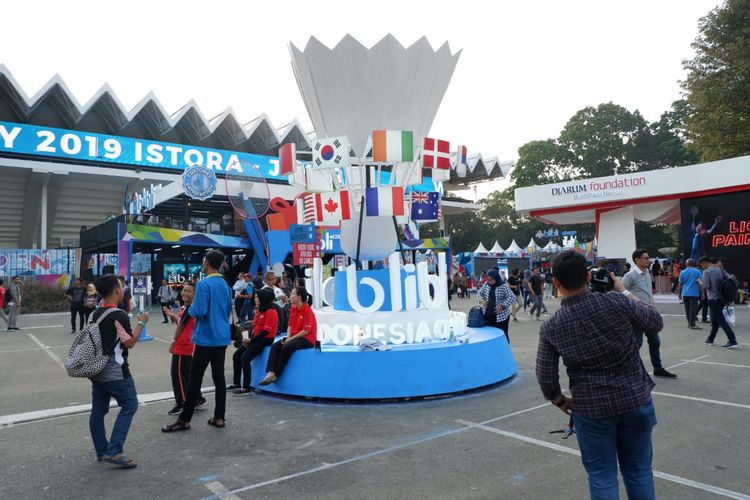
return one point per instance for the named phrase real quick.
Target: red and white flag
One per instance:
(332, 208)
(305, 205)
(287, 158)
(436, 154)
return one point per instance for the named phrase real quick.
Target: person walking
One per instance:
(211, 309)
(75, 294)
(514, 283)
(167, 297)
(703, 264)
(115, 381)
(181, 348)
(689, 291)
(496, 297)
(712, 279)
(548, 284)
(90, 301)
(610, 401)
(536, 286)
(638, 282)
(15, 294)
(2, 303)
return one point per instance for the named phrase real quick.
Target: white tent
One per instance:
(496, 248)
(513, 248)
(532, 246)
(480, 248)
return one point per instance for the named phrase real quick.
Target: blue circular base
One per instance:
(406, 371)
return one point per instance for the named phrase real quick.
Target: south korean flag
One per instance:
(331, 152)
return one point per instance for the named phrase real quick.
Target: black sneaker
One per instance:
(175, 411)
(242, 392)
(72, 332)
(709, 343)
(731, 345)
(201, 403)
(233, 387)
(661, 372)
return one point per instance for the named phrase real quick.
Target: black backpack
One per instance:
(729, 287)
(8, 297)
(475, 318)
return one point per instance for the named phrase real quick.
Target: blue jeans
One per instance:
(653, 347)
(625, 438)
(101, 392)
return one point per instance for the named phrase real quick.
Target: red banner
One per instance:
(305, 253)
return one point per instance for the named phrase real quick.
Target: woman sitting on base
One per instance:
(265, 328)
(302, 334)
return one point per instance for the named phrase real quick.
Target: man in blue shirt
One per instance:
(211, 309)
(689, 291)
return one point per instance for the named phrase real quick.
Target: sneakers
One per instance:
(661, 372)
(695, 327)
(242, 392)
(175, 411)
(709, 343)
(201, 403)
(233, 387)
(731, 345)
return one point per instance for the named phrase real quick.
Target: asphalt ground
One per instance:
(494, 443)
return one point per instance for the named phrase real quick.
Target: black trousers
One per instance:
(703, 309)
(246, 357)
(163, 305)
(691, 309)
(76, 309)
(502, 325)
(202, 357)
(238, 303)
(87, 312)
(181, 378)
(282, 351)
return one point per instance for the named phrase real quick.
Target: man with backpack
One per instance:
(721, 290)
(13, 298)
(115, 380)
(75, 294)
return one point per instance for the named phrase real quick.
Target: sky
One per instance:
(525, 68)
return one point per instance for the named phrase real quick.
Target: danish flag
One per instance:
(436, 154)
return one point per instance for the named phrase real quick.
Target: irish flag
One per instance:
(384, 201)
(389, 146)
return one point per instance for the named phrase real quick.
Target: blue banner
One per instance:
(20, 138)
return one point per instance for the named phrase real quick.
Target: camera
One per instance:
(601, 281)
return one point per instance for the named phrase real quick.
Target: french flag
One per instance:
(384, 201)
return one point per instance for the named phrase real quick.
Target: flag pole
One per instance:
(400, 244)
(362, 209)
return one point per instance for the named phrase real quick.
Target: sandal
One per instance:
(177, 426)
(121, 461)
(213, 421)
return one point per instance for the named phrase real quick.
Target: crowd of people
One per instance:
(204, 326)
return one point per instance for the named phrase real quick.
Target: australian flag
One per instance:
(425, 205)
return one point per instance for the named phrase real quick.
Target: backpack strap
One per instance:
(105, 314)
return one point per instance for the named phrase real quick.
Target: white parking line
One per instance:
(571, 451)
(51, 354)
(35, 348)
(40, 327)
(217, 488)
(686, 361)
(702, 400)
(716, 363)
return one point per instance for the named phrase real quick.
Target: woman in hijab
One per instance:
(265, 328)
(496, 297)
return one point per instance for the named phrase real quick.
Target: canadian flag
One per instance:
(332, 208)
(287, 158)
(436, 154)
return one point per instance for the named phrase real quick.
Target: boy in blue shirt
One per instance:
(689, 291)
(211, 309)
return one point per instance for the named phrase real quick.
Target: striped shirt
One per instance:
(593, 333)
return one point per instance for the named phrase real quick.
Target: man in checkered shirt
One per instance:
(611, 389)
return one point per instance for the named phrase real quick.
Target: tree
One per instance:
(602, 139)
(543, 162)
(664, 144)
(717, 86)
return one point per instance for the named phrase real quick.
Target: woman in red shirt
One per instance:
(302, 334)
(265, 328)
(182, 350)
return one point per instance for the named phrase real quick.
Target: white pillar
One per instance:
(43, 238)
(616, 233)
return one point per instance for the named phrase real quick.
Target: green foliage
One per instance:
(718, 83)
(42, 298)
